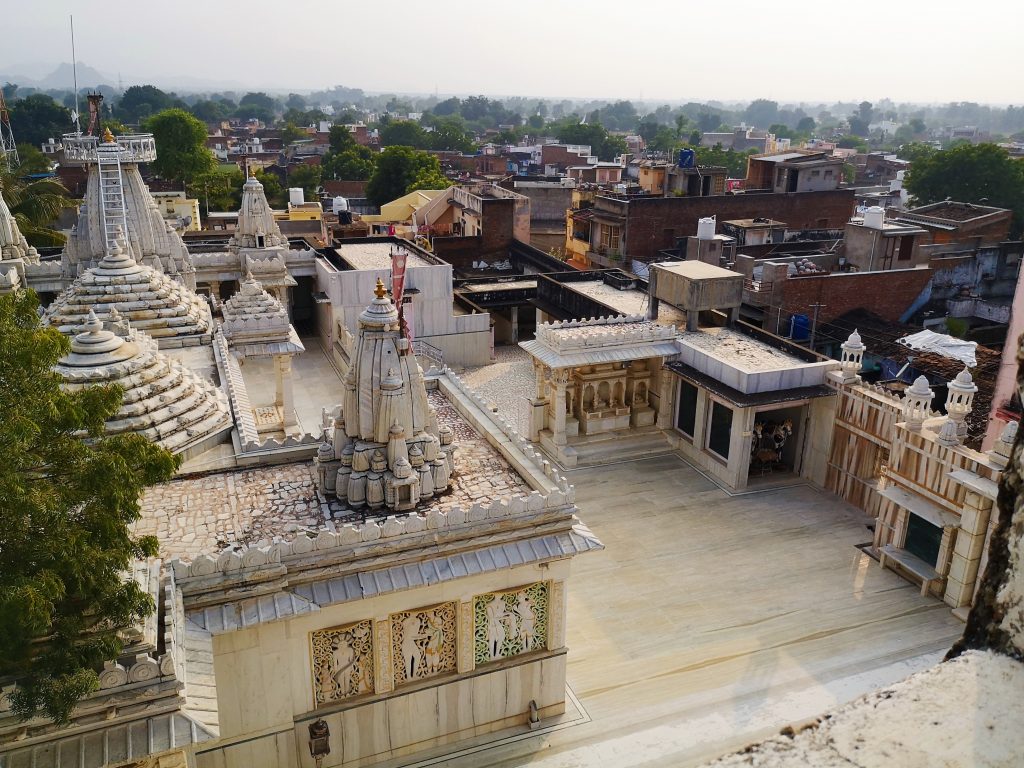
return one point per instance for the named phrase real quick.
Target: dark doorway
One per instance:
(923, 539)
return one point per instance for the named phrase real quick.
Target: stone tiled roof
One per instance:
(152, 301)
(163, 401)
(255, 323)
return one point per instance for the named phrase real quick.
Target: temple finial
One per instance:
(380, 291)
(108, 137)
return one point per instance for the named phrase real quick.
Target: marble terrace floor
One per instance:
(711, 621)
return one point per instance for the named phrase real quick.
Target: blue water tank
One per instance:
(687, 158)
(799, 327)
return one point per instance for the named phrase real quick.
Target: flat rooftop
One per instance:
(506, 285)
(740, 350)
(204, 514)
(628, 302)
(373, 255)
(710, 621)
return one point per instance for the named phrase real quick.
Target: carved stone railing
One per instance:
(134, 148)
(352, 535)
(587, 334)
(509, 430)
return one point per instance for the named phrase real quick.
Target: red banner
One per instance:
(399, 258)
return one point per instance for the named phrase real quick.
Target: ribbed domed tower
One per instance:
(15, 252)
(12, 243)
(113, 168)
(259, 242)
(163, 401)
(153, 302)
(386, 437)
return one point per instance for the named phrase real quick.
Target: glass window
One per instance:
(687, 418)
(720, 430)
(923, 539)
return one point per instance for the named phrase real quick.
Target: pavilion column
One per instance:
(538, 404)
(515, 325)
(285, 398)
(560, 377)
(667, 386)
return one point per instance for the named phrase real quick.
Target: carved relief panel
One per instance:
(423, 642)
(342, 662)
(511, 622)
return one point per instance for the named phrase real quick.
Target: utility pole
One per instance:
(814, 322)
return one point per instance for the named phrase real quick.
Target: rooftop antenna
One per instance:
(74, 74)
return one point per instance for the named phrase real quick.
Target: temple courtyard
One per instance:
(711, 621)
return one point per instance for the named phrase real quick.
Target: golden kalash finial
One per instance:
(108, 137)
(379, 291)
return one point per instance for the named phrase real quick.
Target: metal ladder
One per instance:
(112, 210)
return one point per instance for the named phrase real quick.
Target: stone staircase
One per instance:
(615, 447)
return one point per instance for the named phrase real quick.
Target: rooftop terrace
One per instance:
(205, 514)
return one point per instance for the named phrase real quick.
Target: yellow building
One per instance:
(399, 213)
(179, 211)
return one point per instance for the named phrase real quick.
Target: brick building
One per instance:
(636, 228)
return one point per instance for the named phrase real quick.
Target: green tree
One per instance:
(36, 118)
(449, 134)
(761, 112)
(429, 178)
(141, 101)
(404, 133)
(66, 505)
(346, 159)
(271, 188)
(915, 150)
(398, 169)
(291, 132)
(211, 111)
(32, 160)
(306, 176)
(35, 204)
(355, 164)
(805, 125)
(972, 173)
(601, 143)
(181, 145)
(219, 189)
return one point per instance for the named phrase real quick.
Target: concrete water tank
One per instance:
(339, 204)
(706, 228)
(874, 217)
(296, 196)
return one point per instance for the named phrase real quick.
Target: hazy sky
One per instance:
(907, 50)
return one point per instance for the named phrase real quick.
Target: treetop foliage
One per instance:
(66, 504)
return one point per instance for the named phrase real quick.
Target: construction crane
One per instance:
(7, 146)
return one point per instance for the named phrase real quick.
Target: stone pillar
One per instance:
(667, 389)
(556, 616)
(215, 289)
(538, 404)
(285, 398)
(965, 563)
(515, 325)
(560, 377)
(383, 671)
(466, 644)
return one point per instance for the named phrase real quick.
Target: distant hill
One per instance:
(88, 77)
(60, 77)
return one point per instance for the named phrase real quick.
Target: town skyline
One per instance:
(807, 69)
